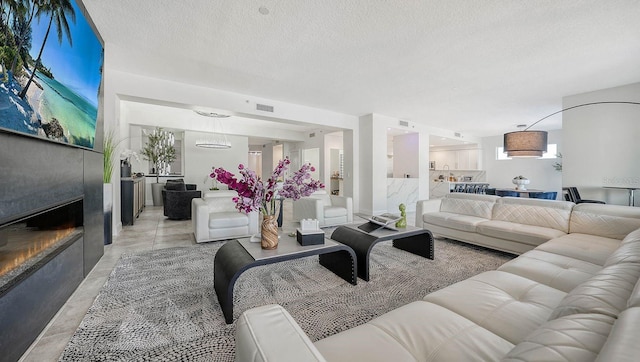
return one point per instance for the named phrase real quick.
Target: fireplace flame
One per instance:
(16, 253)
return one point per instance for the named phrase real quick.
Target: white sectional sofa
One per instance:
(575, 297)
(511, 224)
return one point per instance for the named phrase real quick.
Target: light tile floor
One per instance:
(151, 231)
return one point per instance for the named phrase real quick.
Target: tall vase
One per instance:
(125, 169)
(269, 234)
(156, 193)
(107, 195)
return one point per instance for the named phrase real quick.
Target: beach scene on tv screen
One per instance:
(50, 72)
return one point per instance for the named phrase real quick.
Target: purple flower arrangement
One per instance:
(254, 194)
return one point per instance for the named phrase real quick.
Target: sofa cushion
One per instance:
(611, 221)
(332, 211)
(418, 331)
(175, 186)
(323, 196)
(528, 234)
(628, 252)
(506, 304)
(469, 204)
(634, 299)
(589, 248)
(557, 271)
(535, 212)
(606, 292)
(622, 344)
(221, 220)
(578, 337)
(453, 221)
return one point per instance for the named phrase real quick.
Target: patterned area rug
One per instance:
(161, 306)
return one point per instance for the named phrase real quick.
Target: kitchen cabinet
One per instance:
(466, 159)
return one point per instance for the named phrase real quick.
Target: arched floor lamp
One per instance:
(527, 143)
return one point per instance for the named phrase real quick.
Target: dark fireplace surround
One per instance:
(51, 232)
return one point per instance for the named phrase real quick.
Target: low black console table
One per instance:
(412, 239)
(237, 256)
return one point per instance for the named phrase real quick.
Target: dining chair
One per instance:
(573, 195)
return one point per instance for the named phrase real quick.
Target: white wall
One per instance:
(602, 145)
(405, 155)
(267, 160)
(539, 171)
(373, 170)
(199, 161)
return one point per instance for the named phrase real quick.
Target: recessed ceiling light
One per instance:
(263, 10)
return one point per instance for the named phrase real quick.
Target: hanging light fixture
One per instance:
(527, 143)
(214, 140)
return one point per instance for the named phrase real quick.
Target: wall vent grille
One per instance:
(311, 135)
(264, 107)
(404, 123)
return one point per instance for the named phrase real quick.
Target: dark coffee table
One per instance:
(237, 256)
(415, 240)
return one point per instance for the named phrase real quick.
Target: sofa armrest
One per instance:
(191, 186)
(269, 333)
(200, 219)
(425, 206)
(308, 208)
(346, 202)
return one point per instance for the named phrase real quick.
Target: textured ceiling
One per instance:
(480, 67)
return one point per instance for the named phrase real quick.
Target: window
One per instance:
(552, 151)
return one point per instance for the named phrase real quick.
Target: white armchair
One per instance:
(216, 218)
(329, 210)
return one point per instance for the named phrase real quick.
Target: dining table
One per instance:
(523, 193)
(630, 189)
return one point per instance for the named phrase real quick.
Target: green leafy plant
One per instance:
(558, 165)
(109, 146)
(159, 149)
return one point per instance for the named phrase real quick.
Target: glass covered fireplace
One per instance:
(29, 243)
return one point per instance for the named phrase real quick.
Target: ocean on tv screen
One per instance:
(48, 100)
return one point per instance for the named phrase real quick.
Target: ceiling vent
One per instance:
(404, 123)
(311, 135)
(264, 107)
(457, 134)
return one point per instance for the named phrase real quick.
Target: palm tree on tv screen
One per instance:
(23, 31)
(13, 7)
(58, 11)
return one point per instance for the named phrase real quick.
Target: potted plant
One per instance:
(160, 151)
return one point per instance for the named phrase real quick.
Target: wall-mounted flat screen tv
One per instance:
(51, 68)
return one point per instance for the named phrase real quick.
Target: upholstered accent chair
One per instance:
(176, 199)
(216, 218)
(328, 209)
